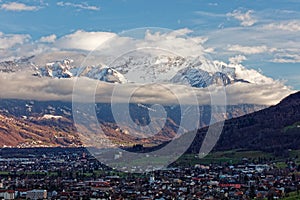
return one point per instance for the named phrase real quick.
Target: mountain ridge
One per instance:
(272, 129)
(192, 71)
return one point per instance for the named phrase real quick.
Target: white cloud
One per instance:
(237, 59)
(276, 43)
(259, 44)
(293, 26)
(286, 58)
(24, 85)
(83, 40)
(10, 40)
(213, 4)
(209, 50)
(200, 40)
(15, 6)
(268, 94)
(246, 18)
(48, 39)
(175, 42)
(249, 49)
(84, 6)
(176, 33)
(209, 14)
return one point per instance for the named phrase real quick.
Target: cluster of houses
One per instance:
(23, 194)
(79, 176)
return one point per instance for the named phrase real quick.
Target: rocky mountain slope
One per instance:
(54, 116)
(16, 132)
(275, 129)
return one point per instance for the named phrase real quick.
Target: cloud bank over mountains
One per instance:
(103, 47)
(25, 86)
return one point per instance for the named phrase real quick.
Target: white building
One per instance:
(36, 194)
(7, 194)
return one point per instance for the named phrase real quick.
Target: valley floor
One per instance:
(71, 173)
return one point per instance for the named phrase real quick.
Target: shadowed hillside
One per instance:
(275, 129)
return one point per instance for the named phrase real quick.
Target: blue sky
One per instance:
(116, 15)
(263, 33)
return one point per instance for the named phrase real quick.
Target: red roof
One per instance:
(237, 186)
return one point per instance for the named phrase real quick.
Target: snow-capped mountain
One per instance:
(16, 64)
(66, 69)
(145, 68)
(200, 78)
(193, 71)
(152, 69)
(239, 73)
(57, 69)
(106, 74)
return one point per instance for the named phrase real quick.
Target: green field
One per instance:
(292, 196)
(236, 156)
